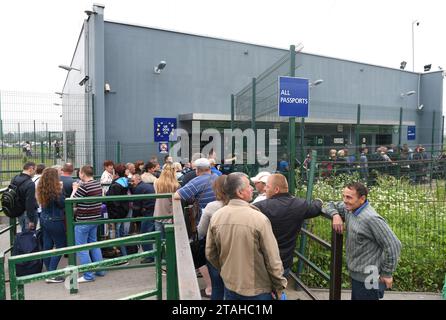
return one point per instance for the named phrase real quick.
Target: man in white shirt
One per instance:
(260, 183)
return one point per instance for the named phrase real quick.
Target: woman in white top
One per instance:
(107, 176)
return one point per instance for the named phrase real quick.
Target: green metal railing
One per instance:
(17, 283)
(335, 248)
(181, 281)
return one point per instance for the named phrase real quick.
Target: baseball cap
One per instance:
(202, 163)
(261, 177)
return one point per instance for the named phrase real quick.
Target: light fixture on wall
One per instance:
(107, 87)
(68, 68)
(408, 93)
(85, 79)
(157, 69)
(316, 83)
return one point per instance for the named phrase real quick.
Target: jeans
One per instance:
(122, 230)
(159, 226)
(230, 295)
(147, 226)
(87, 234)
(218, 287)
(360, 292)
(54, 235)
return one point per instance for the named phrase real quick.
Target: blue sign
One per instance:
(411, 133)
(293, 97)
(163, 128)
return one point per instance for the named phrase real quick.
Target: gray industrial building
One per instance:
(112, 92)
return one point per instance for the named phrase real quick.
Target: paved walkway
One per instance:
(122, 283)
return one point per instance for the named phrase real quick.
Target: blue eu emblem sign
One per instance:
(163, 128)
(293, 97)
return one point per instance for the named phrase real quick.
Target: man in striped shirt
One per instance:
(87, 212)
(371, 248)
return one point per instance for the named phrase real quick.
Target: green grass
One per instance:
(417, 215)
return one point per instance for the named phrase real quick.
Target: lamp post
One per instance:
(403, 95)
(413, 43)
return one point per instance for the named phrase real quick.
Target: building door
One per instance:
(383, 139)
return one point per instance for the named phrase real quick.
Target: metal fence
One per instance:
(413, 203)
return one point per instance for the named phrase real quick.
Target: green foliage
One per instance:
(417, 215)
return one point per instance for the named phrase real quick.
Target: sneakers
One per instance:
(58, 279)
(82, 280)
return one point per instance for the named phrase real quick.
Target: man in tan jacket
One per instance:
(241, 245)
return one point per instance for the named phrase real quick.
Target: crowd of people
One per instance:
(247, 244)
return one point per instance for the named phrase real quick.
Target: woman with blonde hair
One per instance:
(166, 183)
(51, 198)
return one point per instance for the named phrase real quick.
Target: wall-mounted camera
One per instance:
(84, 80)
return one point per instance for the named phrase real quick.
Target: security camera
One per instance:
(420, 107)
(160, 67)
(89, 12)
(84, 80)
(418, 23)
(107, 87)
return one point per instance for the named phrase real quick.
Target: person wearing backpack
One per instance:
(20, 199)
(51, 198)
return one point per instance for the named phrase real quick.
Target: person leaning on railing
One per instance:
(372, 249)
(87, 233)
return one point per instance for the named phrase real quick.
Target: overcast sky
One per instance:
(37, 36)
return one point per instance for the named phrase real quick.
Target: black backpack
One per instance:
(10, 199)
(27, 242)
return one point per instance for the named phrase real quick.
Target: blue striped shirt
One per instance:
(199, 188)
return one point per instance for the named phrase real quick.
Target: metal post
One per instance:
(400, 128)
(302, 141)
(232, 111)
(18, 127)
(95, 167)
(303, 238)
(1, 132)
(232, 124)
(34, 130)
(2, 278)
(42, 155)
(432, 147)
(442, 134)
(292, 130)
(118, 152)
(253, 126)
(358, 129)
(336, 266)
(69, 216)
(172, 276)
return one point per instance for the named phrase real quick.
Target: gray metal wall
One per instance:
(202, 72)
(200, 75)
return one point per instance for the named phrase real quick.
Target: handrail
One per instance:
(335, 277)
(181, 278)
(17, 283)
(187, 280)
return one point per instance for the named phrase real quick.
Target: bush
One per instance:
(417, 215)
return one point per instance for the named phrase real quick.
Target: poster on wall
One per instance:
(163, 147)
(163, 129)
